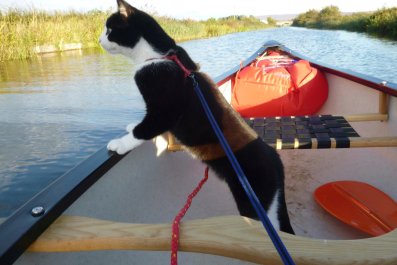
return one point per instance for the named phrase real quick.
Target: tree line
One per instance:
(381, 23)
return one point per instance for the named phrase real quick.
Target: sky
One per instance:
(203, 9)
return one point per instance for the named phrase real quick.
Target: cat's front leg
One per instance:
(123, 144)
(144, 132)
(150, 127)
(130, 127)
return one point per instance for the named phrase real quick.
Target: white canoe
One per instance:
(115, 209)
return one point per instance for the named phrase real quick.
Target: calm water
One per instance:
(57, 110)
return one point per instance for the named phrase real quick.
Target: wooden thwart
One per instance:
(373, 142)
(230, 236)
(367, 117)
(354, 142)
(358, 142)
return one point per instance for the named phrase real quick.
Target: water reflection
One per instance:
(54, 112)
(42, 67)
(57, 109)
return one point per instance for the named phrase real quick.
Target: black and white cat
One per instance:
(172, 105)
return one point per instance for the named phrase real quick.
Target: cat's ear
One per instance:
(124, 8)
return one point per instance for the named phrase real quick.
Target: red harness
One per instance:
(175, 58)
(179, 63)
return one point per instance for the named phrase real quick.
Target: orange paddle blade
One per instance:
(360, 205)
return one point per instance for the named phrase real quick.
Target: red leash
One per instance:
(182, 212)
(178, 218)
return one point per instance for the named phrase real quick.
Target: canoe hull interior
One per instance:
(148, 187)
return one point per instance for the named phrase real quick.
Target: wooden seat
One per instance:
(304, 132)
(311, 132)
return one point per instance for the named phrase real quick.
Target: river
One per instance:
(58, 109)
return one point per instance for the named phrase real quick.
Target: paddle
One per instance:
(360, 205)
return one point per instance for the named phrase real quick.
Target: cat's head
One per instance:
(135, 34)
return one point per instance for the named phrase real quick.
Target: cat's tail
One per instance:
(285, 224)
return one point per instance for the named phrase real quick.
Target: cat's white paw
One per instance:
(122, 145)
(130, 127)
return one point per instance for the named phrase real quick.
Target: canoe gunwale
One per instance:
(21, 228)
(382, 85)
(387, 87)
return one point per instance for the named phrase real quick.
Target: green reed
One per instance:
(22, 30)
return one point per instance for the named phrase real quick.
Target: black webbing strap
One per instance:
(304, 132)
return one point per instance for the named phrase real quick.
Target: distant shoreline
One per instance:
(28, 33)
(381, 23)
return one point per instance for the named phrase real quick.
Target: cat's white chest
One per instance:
(142, 54)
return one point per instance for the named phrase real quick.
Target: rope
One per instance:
(178, 218)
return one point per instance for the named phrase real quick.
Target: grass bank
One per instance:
(381, 23)
(22, 30)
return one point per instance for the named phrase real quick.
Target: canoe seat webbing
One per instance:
(304, 132)
(311, 132)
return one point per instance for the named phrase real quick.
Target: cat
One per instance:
(172, 105)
